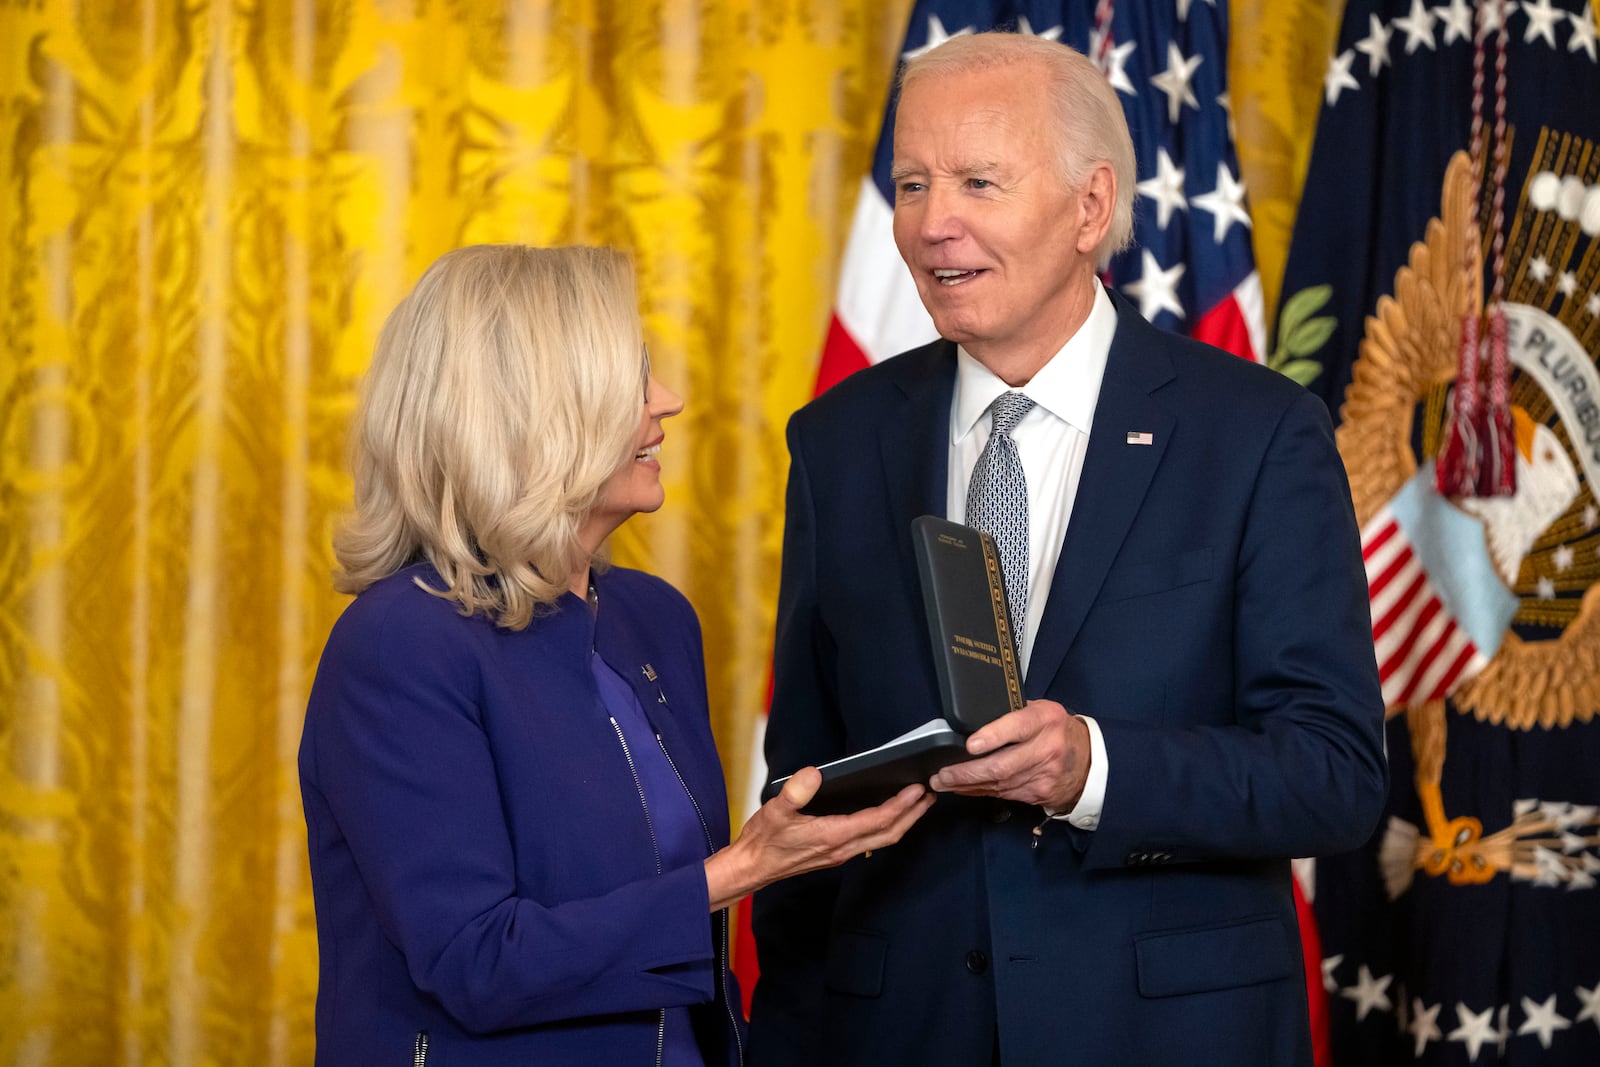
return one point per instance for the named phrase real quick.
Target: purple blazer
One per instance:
(483, 870)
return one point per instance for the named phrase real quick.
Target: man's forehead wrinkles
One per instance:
(993, 122)
(973, 137)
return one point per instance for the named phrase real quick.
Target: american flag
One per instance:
(1191, 268)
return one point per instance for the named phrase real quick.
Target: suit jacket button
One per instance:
(1135, 859)
(977, 961)
(1000, 813)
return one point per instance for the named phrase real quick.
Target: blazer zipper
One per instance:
(722, 976)
(655, 846)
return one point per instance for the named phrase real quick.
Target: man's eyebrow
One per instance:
(979, 169)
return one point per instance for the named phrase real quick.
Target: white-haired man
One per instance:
(1184, 571)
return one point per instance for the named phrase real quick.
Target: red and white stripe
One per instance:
(877, 312)
(1238, 323)
(1422, 652)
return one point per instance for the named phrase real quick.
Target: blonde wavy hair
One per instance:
(504, 391)
(1092, 127)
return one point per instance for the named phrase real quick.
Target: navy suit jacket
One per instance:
(486, 879)
(1209, 609)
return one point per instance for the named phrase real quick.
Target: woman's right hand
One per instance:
(779, 842)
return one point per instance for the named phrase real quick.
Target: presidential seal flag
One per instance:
(1443, 296)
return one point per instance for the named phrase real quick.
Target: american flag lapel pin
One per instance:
(650, 675)
(1140, 437)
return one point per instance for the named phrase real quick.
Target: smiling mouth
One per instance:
(648, 453)
(955, 277)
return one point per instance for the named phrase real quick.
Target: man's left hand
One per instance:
(1038, 754)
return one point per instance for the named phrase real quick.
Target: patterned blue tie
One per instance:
(997, 503)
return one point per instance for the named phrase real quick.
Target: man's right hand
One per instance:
(1038, 754)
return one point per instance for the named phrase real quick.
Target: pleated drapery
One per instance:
(206, 212)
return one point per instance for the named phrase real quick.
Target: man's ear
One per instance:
(1097, 200)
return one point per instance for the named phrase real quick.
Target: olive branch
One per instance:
(1300, 335)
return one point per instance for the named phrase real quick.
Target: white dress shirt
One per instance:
(1051, 441)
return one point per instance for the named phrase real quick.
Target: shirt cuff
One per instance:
(1085, 814)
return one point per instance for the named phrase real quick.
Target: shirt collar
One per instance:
(1067, 386)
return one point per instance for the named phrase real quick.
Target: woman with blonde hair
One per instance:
(516, 818)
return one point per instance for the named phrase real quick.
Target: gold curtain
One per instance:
(207, 210)
(1277, 52)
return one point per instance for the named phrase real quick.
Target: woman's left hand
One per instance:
(779, 841)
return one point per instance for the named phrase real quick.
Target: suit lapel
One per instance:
(1111, 487)
(914, 442)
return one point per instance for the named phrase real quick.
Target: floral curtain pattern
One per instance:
(206, 212)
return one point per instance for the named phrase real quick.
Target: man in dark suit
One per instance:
(1110, 886)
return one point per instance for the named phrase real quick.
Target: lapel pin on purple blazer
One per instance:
(1140, 437)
